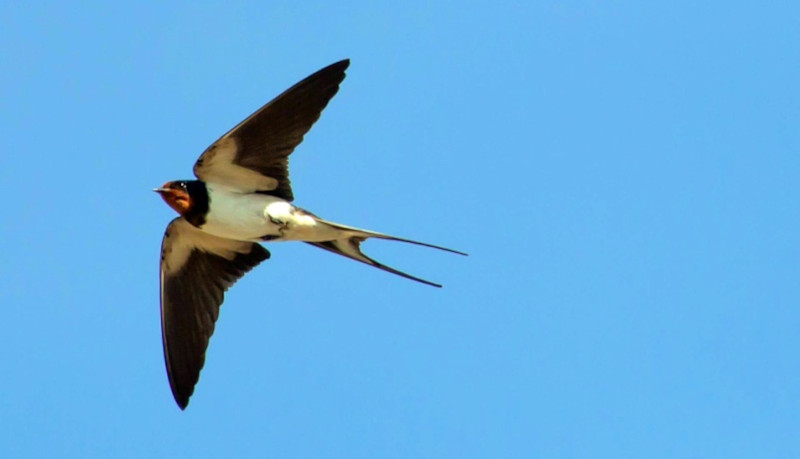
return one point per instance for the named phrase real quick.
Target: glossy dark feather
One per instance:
(197, 268)
(263, 142)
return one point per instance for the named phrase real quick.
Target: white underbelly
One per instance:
(260, 217)
(240, 216)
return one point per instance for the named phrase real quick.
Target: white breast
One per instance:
(240, 216)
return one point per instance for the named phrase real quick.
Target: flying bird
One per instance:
(243, 197)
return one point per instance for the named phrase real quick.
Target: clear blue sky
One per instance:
(623, 174)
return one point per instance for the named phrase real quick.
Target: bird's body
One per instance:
(242, 198)
(258, 217)
(248, 216)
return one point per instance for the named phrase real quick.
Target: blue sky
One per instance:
(623, 175)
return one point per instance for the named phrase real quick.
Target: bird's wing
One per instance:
(253, 156)
(196, 269)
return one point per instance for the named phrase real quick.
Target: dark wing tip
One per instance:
(342, 64)
(181, 392)
(181, 400)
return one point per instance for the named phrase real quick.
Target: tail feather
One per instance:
(350, 247)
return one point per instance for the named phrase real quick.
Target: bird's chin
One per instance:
(180, 206)
(178, 201)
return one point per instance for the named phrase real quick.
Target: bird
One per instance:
(241, 198)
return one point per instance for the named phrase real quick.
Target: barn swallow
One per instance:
(243, 197)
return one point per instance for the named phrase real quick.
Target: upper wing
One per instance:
(253, 156)
(196, 269)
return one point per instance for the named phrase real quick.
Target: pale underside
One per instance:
(261, 217)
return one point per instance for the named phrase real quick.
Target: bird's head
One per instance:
(176, 195)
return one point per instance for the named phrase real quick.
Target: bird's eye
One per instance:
(180, 185)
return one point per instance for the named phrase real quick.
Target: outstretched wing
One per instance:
(253, 156)
(196, 269)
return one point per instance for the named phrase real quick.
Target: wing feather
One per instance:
(253, 156)
(196, 270)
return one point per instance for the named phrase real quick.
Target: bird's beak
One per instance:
(161, 190)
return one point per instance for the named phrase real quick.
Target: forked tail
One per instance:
(350, 246)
